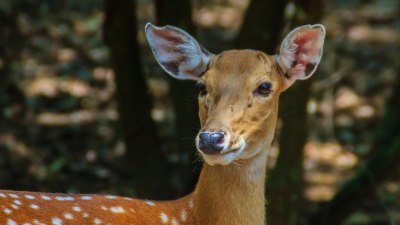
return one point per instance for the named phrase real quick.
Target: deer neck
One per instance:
(235, 193)
(232, 194)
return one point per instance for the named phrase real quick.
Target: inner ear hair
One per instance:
(279, 68)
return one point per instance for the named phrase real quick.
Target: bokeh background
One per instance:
(84, 107)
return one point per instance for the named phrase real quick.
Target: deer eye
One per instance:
(202, 88)
(263, 89)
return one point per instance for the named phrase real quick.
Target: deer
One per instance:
(238, 109)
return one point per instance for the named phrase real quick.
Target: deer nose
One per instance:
(211, 142)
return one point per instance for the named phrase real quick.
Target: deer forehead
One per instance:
(240, 69)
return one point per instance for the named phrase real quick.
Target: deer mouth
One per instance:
(225, 157)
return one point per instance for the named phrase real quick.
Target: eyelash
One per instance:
(264, 89)
(202, 88)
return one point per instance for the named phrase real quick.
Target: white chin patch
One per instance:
(225, 158)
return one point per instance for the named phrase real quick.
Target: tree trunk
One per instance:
(383, 163)
(285, 181)
(144, 162)
(285, 184)
(262, 25)
(179, 13)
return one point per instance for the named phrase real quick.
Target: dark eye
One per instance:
(202, 88)
(264, 89)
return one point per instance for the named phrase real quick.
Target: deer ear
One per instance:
(301, 52)
(177, 52)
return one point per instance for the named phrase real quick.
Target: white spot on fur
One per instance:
(14, 206)
(45, 197)
(104, 208)
(67, 198)
(3, 195)
(26, 224)
(191, 204)
(33, 206)
(164, 217)
(118, 209)
(68, 216)
(30, 197)
(11, 222)
(85, 215)
(76, 208)
(111, 197)
(97, 221)
(56, 221)
(17, 202)
(13, 196)
(183, 215)
(86, 198)
(150, 203)
(37, 222)
(174, 222)
(7, 211)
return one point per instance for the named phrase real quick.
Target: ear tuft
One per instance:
(301, 51)
(177, 52)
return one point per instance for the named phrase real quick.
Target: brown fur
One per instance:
(225, 195)
(234, 194)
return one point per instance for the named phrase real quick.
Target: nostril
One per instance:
(214, 137)
(204, 136)
(211, 142)
(218, 137)
(221, 141)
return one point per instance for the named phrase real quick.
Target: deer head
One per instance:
(238, 89)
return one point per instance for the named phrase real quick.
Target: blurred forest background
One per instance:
(84, 107)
